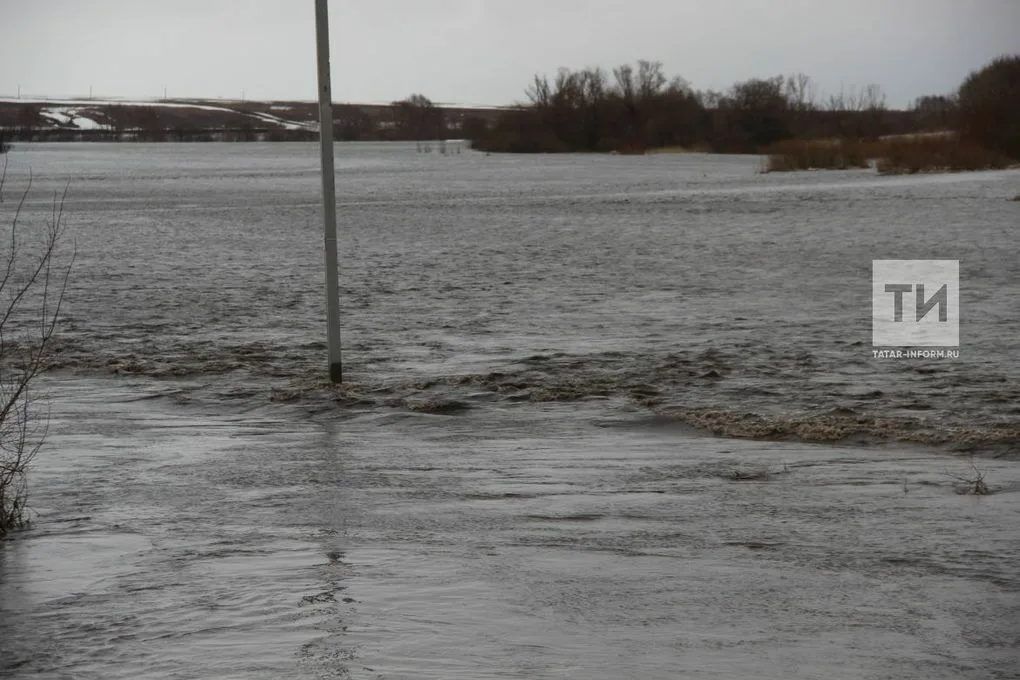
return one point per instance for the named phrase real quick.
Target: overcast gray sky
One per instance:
(485, 51)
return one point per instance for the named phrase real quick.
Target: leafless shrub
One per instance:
(32, 287)
(971, 482)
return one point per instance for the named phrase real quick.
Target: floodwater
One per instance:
(605, 416)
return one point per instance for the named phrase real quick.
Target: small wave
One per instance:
(745, 392)
(839, 427)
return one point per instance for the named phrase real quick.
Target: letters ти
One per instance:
(922, 307)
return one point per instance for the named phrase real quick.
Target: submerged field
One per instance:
(521, 477)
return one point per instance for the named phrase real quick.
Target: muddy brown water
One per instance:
(604, 417)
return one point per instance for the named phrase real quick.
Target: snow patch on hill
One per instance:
(65, 116)
(68, 112)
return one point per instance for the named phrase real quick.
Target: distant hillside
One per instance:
(416, 118)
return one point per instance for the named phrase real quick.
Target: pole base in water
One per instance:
(335, 373)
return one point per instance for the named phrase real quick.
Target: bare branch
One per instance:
(43, 282)
(3, 177)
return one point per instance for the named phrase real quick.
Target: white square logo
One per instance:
(915, 303)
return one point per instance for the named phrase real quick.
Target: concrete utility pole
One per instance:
(328, 190)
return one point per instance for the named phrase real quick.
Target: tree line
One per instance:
(637, 107)
(633, 108)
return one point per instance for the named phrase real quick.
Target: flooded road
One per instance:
(604, 417)
(539, 541)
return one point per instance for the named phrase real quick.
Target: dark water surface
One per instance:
(688, 284)
(519, 477)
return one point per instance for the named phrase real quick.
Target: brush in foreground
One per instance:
(971, 483)
(33, 281)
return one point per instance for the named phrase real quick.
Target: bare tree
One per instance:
(567, 92)
(873, 107)
(710, 99)
(32, 287)
(761, 110)
(801, 92)
(935, 112)
(650, 78)
(846, 100)
(625, 85)
(873, 98)
(418, 118)
(539, 92)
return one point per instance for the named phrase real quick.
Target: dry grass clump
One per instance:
(815, 154)
(761, 474)
(945, 153)
(900, 154)
(435, 406)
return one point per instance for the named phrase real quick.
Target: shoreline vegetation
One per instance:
(893, 155)
(638, 110)
(632, 110)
